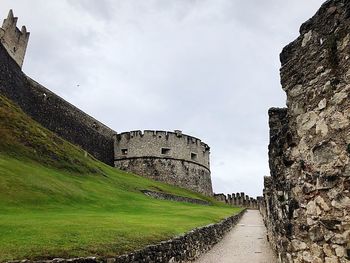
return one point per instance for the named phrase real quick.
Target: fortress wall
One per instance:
(53, 112)
(239, 199)
(307, 197)
(170, 157)
(276, 211)
(176, 172)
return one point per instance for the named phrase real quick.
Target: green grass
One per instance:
(57, 201)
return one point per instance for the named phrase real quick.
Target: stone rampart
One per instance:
(239, 199)
(307, 199)
(185, 248)
(53, 112)
(161, 144)
(170, 157)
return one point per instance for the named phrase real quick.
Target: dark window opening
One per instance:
(14, 49)
(165, 151)
(124, 151)
(193, 156)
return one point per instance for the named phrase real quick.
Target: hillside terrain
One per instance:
(58, 201)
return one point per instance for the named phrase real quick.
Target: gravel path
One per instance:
(246, 242)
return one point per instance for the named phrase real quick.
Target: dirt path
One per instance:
(246, 242)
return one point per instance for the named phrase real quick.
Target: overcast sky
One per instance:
(207, 67)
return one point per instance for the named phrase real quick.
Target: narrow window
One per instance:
(14, 49)
(124, 151)
(165, 151)
(193, 156)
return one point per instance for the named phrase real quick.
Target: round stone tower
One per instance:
(170, 157)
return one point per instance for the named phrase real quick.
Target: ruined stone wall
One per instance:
(175, 198)
(53, 112)
(307, 198)
(170, 157)
(14, 40)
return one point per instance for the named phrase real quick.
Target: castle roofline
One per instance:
(14, 40)
(177, 133)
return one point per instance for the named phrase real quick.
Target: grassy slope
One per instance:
(57, 201)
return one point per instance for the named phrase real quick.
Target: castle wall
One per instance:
(239, 199)
(307, 198)
(53, 112)
(170, 157)
(14, 40)
(150, 143)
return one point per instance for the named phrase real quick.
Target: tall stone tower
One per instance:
(14, 40)
(170, 157)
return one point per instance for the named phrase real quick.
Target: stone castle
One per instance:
(171, 157)
(174, 158)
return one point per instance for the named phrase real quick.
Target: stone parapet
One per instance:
(238, 199)
(161, 144)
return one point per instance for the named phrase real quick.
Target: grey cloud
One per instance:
(209, 67)
(100, 9)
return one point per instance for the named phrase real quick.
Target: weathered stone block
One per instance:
(169, 157)
(309, 143)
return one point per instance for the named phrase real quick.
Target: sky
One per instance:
(207, 67)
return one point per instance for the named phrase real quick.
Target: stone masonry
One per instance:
(170, 157)
(44, 106)
(238, 199)
(307, 198)
(14, 40)
(53, 112)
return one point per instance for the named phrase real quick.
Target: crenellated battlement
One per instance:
(168, 135)
(13, 39)
(240, 200)
(161, 144)
(171, 157)
(165, 134)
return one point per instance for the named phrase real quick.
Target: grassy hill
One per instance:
(57, 201)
